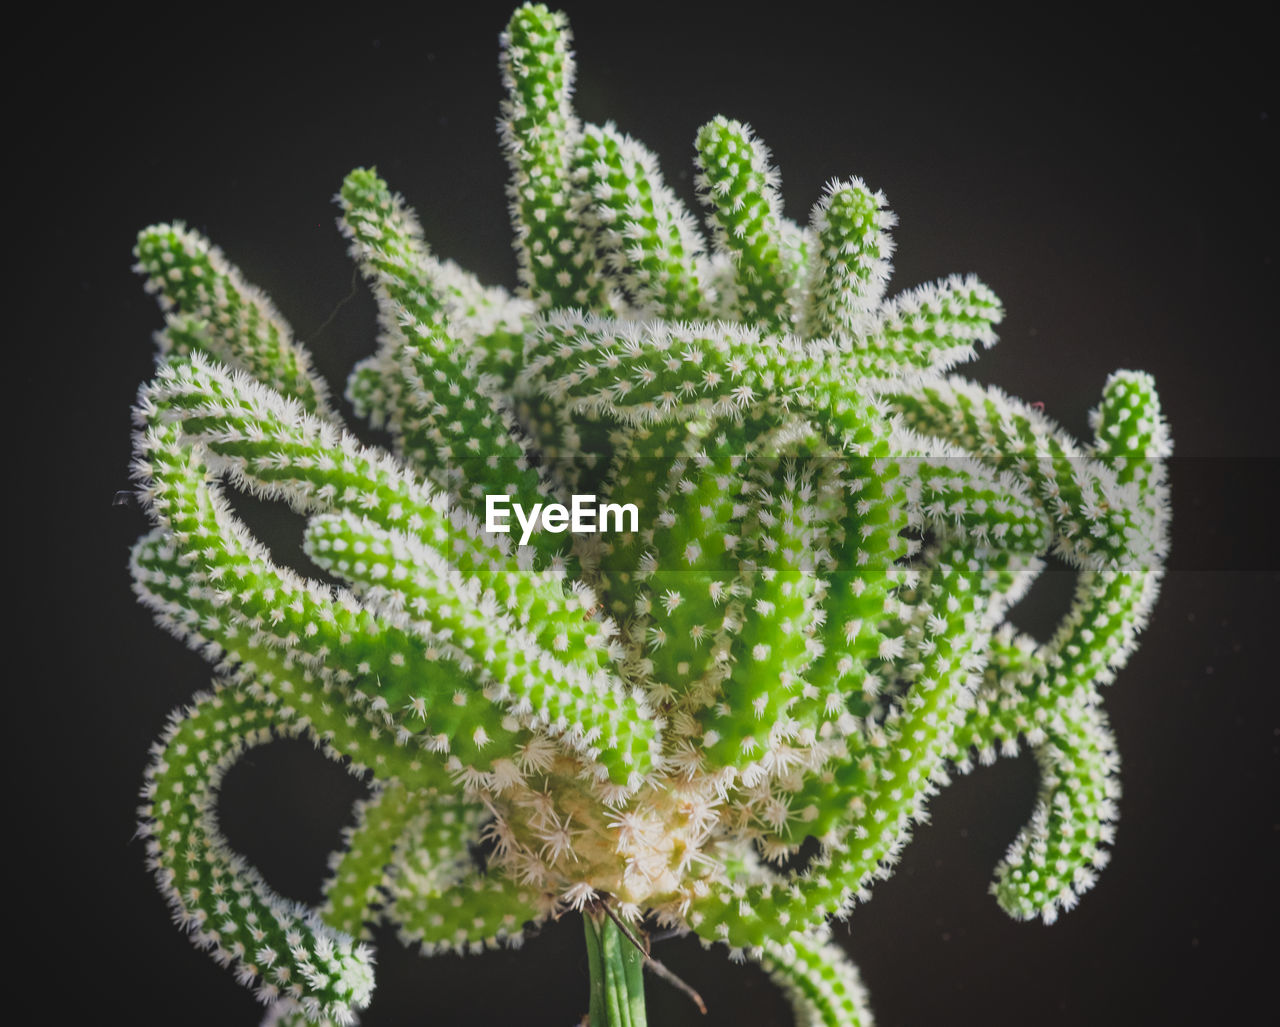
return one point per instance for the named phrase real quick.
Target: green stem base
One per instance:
(617, 974)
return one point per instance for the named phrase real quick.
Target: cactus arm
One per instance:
(215, 311)
(356, 888)
(271, 449)
(652, 373)
(584, 706)
(775, 621)
(395, 569)
(926, 330)
(646, 238)
(819, 980)
(849, 262)
(421, 361)
(955, 494)
(1004, 706)
(867, 807)
(465, 444)
(1131, 437)
(950, 495)
(558, 265)
(307, 697)
(386, 242)
(1093, 524)
(689, 585)
(1051, 699)
(640, 467)
(267, 448)
(377, 656)
(477, 913)
(1057, 855)
(644, 374)
(493, 343)
(276, 946)
(1050, 695)
(409, 854)
(484, 319)
(432, 341)
(441, 901)
(739, 187)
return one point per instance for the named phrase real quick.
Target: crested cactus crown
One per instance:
(802, 629)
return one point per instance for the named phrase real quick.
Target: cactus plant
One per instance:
(805, 630)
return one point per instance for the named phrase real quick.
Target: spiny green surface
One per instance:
(804, 632)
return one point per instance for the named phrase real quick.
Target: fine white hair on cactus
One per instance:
(804, 630)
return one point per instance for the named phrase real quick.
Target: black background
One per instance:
(1112, 182)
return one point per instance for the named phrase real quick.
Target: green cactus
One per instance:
(802, 633)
